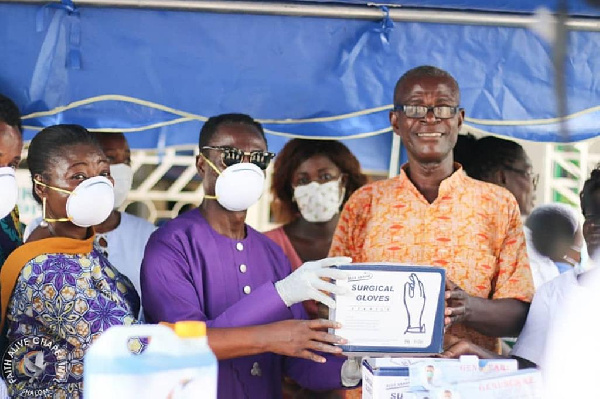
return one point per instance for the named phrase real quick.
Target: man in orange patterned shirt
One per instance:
(434, 214)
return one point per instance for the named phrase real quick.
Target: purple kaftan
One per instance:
(191, 272)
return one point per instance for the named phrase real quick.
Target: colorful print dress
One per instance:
(69, 299)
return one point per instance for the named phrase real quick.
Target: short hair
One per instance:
(464, 150)
(489, 154)
(297, 151)
(50, 144)
(424, 71)
(100, 134)
(211, 126)
(551, 224)
(9, 113)
(591, 185)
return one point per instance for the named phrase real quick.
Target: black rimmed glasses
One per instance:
(420, 111)
(535, 177)
(231, 156)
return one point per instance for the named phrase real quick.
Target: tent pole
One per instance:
(395, 156)
(332, 11)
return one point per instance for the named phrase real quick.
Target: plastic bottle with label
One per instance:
(193, 335)
(174, 365)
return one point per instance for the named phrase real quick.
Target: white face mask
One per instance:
(319, 202)
(8, 191)
(239, 186)
(89, 204)
(122, 174)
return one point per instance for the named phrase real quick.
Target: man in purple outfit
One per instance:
(207, 264)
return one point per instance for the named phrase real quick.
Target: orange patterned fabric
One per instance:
(473, 229)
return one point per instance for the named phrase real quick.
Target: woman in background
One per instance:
(11, 145)
(312, 180)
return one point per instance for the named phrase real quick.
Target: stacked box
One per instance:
(523, 384)
(390, 378)
(431, 373)
(386, 377)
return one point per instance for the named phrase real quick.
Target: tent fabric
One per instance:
(159, 74)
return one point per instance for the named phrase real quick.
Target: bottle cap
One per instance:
(190, 329)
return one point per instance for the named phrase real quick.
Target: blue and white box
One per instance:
(386, 378)
(431, 373)
(391, 309)
(522, 384)
(394, 378)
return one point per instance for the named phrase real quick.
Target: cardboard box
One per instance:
(523, 384)
(431, 373)
(386, 377)
(390, 378)
(391, 309)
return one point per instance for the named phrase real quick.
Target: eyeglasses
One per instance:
(535, 177)
(231, 156)
(420, 111)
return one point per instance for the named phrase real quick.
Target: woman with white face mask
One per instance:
(121, 237)
(58, 286)
(11, 145)
(312, 179)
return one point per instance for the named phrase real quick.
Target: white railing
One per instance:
(577, 163)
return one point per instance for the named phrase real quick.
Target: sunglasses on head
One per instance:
(231, 156)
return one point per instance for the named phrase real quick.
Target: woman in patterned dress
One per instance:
(58, 287)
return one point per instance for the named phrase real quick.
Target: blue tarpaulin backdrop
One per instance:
(158, 74)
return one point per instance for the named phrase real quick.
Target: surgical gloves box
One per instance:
(391, 309)
(522, 384)
(391, 378)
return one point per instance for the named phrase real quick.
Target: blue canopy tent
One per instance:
(324, 70)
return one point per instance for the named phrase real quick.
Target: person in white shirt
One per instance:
(561, 328)
(554, 241)
(543, 312)
(122, 237)
(569, 358)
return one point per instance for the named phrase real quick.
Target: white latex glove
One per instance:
(351, 371)
(306, 282)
